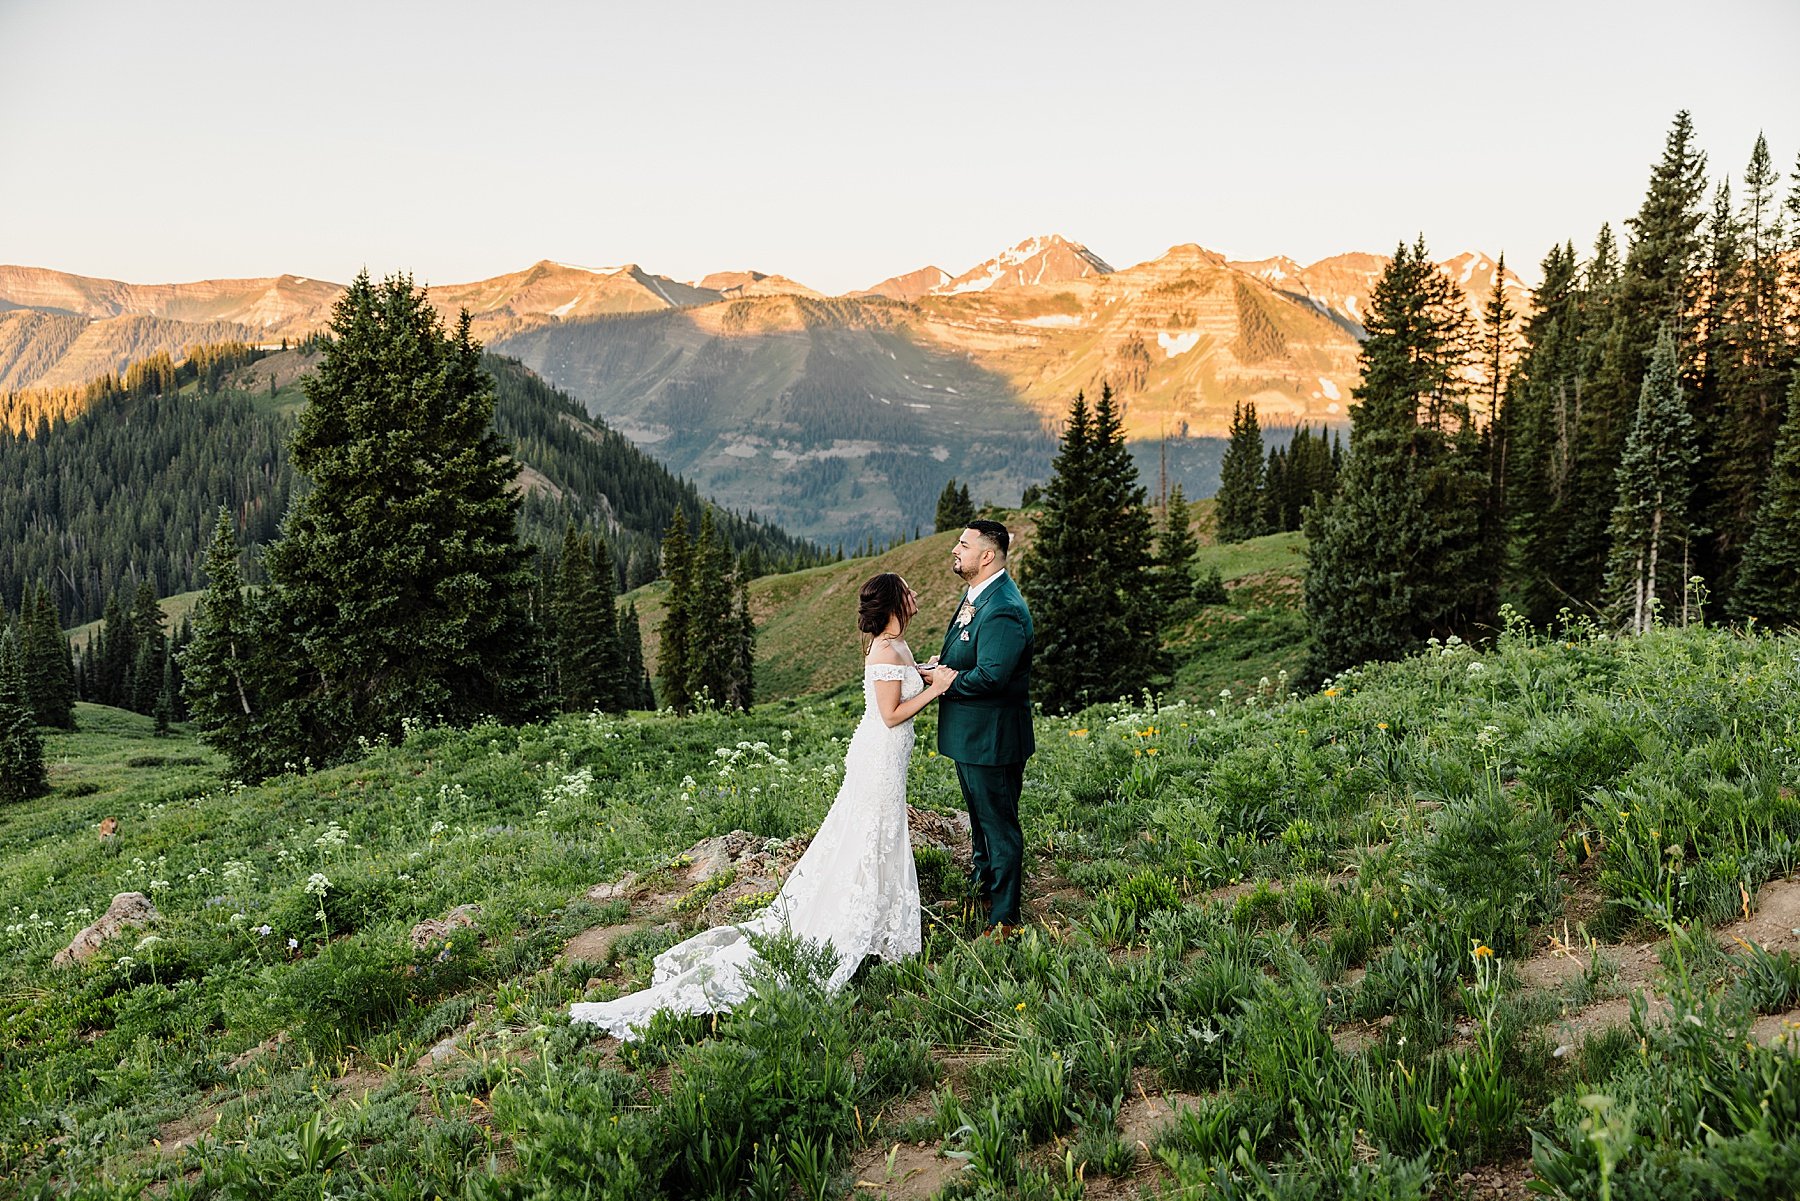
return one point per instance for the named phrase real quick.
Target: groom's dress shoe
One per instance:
(998, 933)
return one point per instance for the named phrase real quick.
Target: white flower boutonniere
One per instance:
(966, 614)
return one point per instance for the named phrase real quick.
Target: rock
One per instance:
(710, 856)
(946, 831)
(437, 929)
(624, 886)
(127, 909)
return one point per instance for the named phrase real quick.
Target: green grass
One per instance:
(1281, 906)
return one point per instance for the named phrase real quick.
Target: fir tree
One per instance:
(712, 652)
(219, 665)
(1542, 409)
(22, 773)
(164, 711)
(954, 508)
(615, 692)
(1649, 522)
(1768, 580)
(44, 652)
(639, 694)
(1239, 512)
(1397, 556)
(743, 667)
(586, 637)
(677, 630)
(1087, 579)
(1174, 563)
(398, 588)
(147, 621)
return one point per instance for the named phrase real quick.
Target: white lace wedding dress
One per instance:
(855, 887)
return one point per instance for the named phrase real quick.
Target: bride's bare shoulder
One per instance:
(887, 650)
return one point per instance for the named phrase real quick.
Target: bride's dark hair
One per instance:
(882, 597)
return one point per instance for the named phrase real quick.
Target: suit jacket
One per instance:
(985, 717)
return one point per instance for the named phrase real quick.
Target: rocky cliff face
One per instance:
(909, 287)
(1033, 263)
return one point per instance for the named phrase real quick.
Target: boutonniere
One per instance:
(966, 614)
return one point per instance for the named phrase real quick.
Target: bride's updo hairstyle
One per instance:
(882, 597)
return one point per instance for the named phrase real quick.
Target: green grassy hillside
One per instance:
(806, 640)
(1449, 924)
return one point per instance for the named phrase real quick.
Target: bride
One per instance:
(856, 886)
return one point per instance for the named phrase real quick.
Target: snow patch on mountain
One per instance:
(1174, 344)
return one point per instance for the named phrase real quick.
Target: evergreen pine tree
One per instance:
(1649, 522)
(743, 667)
(1744, 368)
(1275, 486)
(677, 631)
(398, 588)
(116, 651)
(1768, 580)
(954, 508)
(577, 614)
(1397, 556)
(639, 694)
(713, 639)
(1175, 550)
(1542, 408)
(147, 621)
(164, 712)
(49, 681)
(1239, 512)
(1092, 596)
(22, 773)
(612, 689)
(218, 666)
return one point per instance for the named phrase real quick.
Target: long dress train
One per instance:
(855, 887)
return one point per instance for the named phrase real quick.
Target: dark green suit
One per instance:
(984, 724)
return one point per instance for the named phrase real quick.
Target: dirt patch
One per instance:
(1508, 1180)
(1565, 959)
(1775, 924)
(359, 1083)
(595, 945)
(1145, 1116)
(1567, 1032)
(902, 1171)
(1778, 1030)
(174, 1137)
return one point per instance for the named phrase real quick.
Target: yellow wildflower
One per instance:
(1019, 1008)
(1151, 751)
(1483, 951)
(1081, 733)
(1381, 725)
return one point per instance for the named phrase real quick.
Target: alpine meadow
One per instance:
(1415, 810)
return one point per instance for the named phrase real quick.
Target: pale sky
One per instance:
(843, 142)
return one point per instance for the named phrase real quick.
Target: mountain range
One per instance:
(833, 415)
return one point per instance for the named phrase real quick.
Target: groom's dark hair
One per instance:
(993, 532)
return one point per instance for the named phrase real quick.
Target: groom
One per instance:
(984, 718)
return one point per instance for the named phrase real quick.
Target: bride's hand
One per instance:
(941, 678)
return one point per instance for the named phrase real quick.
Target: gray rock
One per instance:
(127, 909)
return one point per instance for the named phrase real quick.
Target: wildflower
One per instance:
(293, 944)
(1081, 733)
(1331, 692)
(1483, 951)
(1381, 725)
(1150, 751)
(1019, 1008)
(265, 930)
(317, 884)
(1302, 729)
(1477, 668)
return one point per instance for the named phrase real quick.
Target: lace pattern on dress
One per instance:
(855, 887)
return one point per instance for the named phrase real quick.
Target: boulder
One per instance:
(437, 929)
(127, 909)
